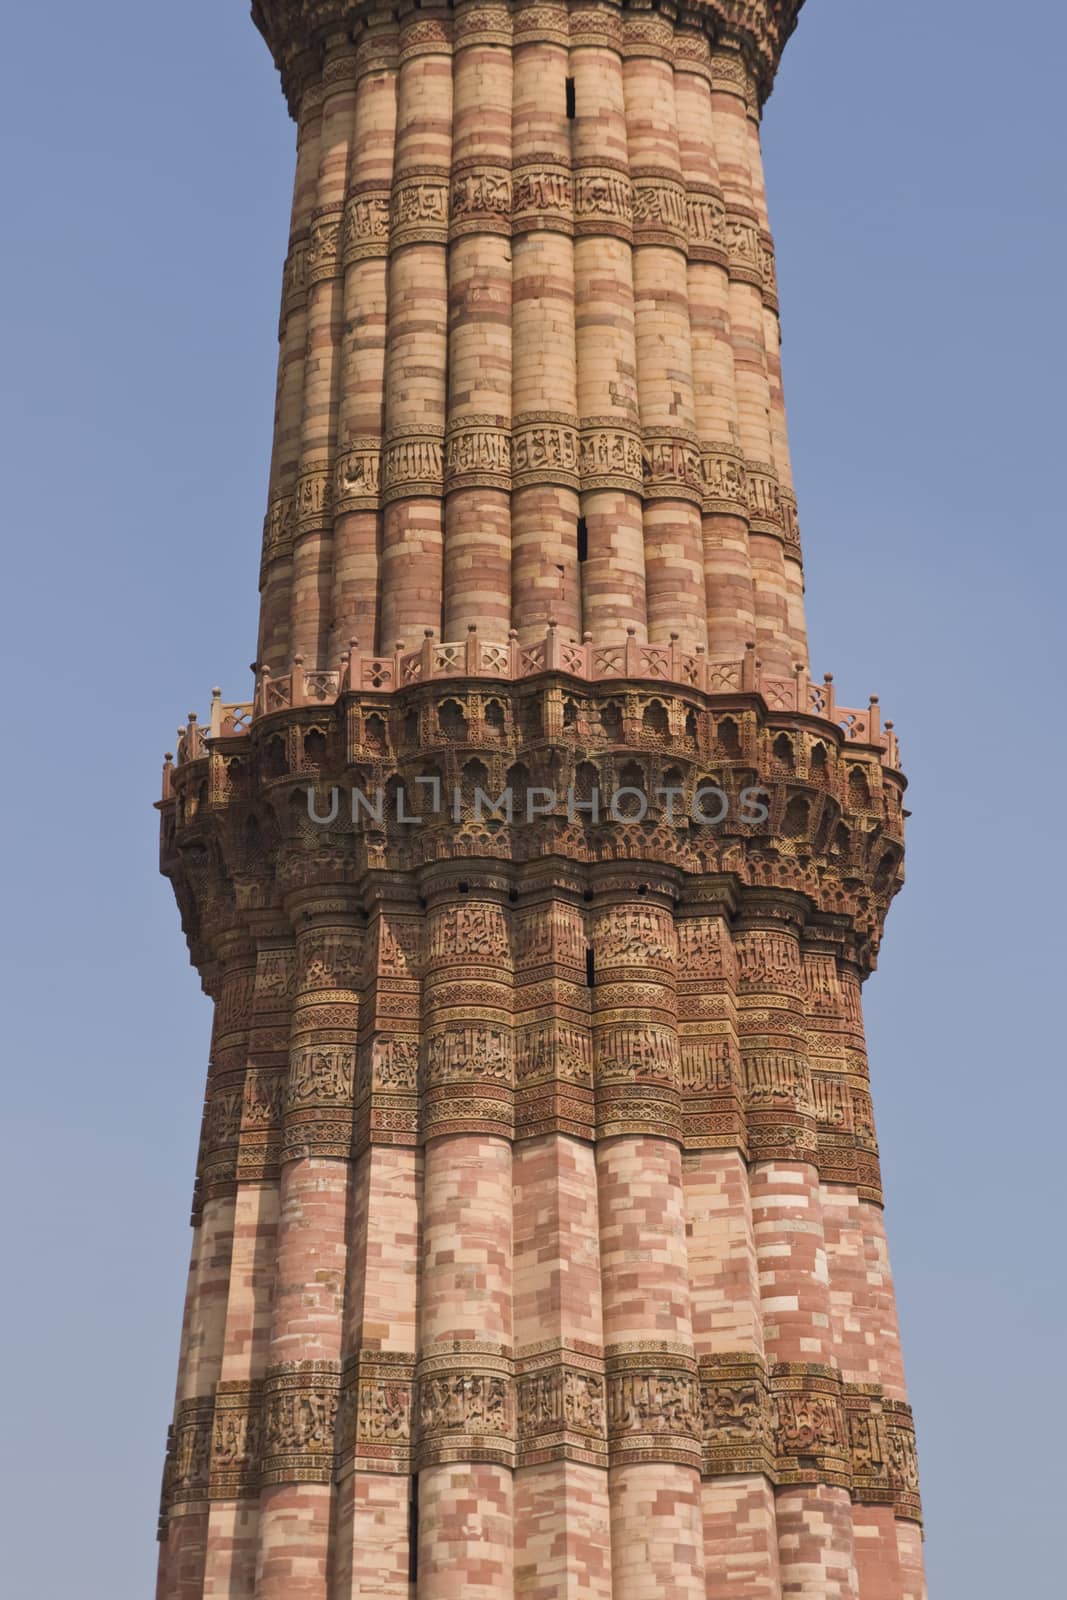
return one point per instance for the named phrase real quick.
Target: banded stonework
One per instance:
(537, 1229)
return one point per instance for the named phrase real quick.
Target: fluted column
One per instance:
(477, 562)
(653, 1407)
(613, 576)
(230, 1566)
(365, 256)
(674, 561)
(727, 568)
(374, 1527)
(793, 568)
(545, 568)
(559, 1331)
(303, 1379)
(312, 591)
(812, 1504)
(740, 1541)
(416, 354)
(885, 1513)
(464, 1382)
(275, 648)
(188, 1477)
(731, 89)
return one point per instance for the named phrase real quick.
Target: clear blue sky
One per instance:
(915, 163)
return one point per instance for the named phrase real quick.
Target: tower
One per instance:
(538, 1243)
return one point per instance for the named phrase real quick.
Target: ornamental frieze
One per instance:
(476, 931)
(541, 24)
(743, 252)
(603, 201)
(542, 196)
(764, 499)
(235, 1441)
(299, 1416)
(610, 456)
(478, 454)
(313, 496)
(653, 1407)
(770, 959)
(412, 465)
(545, 449)
(705, 222)
(736, 1415)
(424, 35)
(659, 209)
(553, 1050)
(366, 224)
(480, 201)
(709, 1065)
(324, 245)
(811, 1436)
(671, 467)
(637, 935)
(395, 1063)
(357, 477)
(418, 211)
(321, 1076)
(479, 1052)
(374, 1421)
(724, 480)
(637, 1054)
(777, 1078)
(465, 1406)
(190, 1464)
(278, 526)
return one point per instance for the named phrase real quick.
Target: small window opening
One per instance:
(583, 540)
(590, 967)
(570, 100)
(413, 1529)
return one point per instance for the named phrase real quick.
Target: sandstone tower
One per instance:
(538, 1244)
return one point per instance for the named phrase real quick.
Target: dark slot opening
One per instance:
(570, 99)
(413, 1530)
(583, 540)
(590, 967)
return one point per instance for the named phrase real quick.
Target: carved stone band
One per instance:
(706, 223)
(375, 1417)
(324, 245)
(313, 509)
(811, 1440)
(611, 455)
(478, 454)
(465, 1408)
(659, 209)
(653, 1406)
(725, 481)
(545, 449)
(299, 1418)
(418, 211)
(235, 1441)
(357, 477)
(412, 464)
(366, 223)
(743, 247)
(764, 499)
(603, 201)
(671, 467)
(480, 201)
(542, 196)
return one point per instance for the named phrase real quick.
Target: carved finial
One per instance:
(513, 633)
(632, 631)
(168, 757)
(192, 716)
(216, 693)
(674, 637)
(874, 699)
(298, 661)
(353, 645)
(889, 727)
(399, 645)
(552, 622)
(587, 637)
(427, 633)
(827, 677)
(750, 644)
(472, 627)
